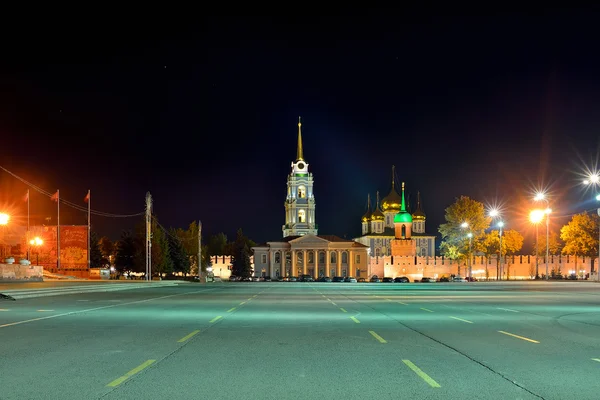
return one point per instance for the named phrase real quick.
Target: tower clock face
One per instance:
(300, 165)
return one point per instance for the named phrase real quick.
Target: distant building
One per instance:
(390, 229)
(302, 251)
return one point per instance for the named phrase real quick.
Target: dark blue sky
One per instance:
(203, 115)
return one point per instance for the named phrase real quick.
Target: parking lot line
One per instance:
(519, 337)
(376, 336)
(421, 374)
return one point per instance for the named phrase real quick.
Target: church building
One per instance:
(302, 251)
(390, 229)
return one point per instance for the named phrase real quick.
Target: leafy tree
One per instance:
(126, 250)
(512, 242)
(107, 247)
(241, 256)
(580, 236)
(455, 244)
(217, 244)
(161, 257)
(97, 259)
(554, 244)
(181, 261)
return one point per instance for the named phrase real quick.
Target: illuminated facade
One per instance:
(300, 200)
(391, 230)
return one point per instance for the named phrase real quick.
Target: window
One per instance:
(311, 257)
(344, 258)
(301, 192)
(277, 258)
(264, 258)
(321, 257)
(357, 258)
(333, 257)
(301, 216)
(377, 252)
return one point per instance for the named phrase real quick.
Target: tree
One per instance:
(512, 241)
(161, 257)
(179, 258)
(580, 236)
(554, 245)
(217, 244)
(126, 250)
(107, 247)
(455, 244)
(97, 259)
(241, 256)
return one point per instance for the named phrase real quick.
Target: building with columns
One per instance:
(302, 251)
(315, 255)
(390, 229)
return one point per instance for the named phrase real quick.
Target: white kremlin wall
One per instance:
(515, 267)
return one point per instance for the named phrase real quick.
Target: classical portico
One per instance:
(315, 255)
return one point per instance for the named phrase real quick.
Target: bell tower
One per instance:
(300, 199)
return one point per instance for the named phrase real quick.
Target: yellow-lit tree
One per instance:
(512, 242)
(580, 236)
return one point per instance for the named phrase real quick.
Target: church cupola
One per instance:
(419, 216)
(391, 204)
(403, 220)
(366, 219)
(377, 218)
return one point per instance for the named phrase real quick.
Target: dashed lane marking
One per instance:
(519, 337)
(215, 319)
(186, 337)
(355, 320)
(463, 320)
(376, 336)
(128, 375)
(421, 374)
(426, 309)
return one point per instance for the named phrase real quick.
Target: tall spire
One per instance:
(403, 208)
(299, 154)
(393, 174)
(377, 204)
(369, 202)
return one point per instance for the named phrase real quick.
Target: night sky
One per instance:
(203, 115)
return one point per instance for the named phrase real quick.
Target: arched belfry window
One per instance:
(301, 192)
(403, 231)
(301, 216)
(333, 258)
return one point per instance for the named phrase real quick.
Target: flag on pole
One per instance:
(26, 198)
(54, 196)
(87, 197)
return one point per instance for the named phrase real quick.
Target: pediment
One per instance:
(309, 240)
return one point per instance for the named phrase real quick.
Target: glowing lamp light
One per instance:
(494, 213)
(4, 218)
(464, 225)
(598, 197)
(536, 216)
(36, 241)
(500, 224)
(539, 196)
(469, 235)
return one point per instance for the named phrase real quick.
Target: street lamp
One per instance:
(500, 226)
(464, 225)
(37, 242)
(594, 180)
(542, 197)
(536, 216)
(4, 218)
(470, 236)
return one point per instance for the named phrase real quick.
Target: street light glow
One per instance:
(500, 224)
(464, 225)
(494, 212)
(4, 218)
(598, 197)
(469, 235)
(36, 241)
(539, 196)
(592, 179)
(536, 216)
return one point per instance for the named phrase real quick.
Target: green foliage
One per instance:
(580, 235)
(555, 244)
(126, 250)
(108, 248)
(97, 259)
(217, 245)
(241, 256)
(161, 255)
(179, 258)
(455, 243)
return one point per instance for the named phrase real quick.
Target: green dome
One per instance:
(403, 217)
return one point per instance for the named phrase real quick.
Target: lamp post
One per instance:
(464, 225)
(594, 180)
(494, 213)
(542, 197)
(470, 236)
(536, 217)
(37, 242)
(500, 226)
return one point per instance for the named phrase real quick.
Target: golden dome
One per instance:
(419, 214)
(377, 214)
(367, 216)
(392, 202)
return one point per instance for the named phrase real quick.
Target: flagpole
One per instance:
(89, 228)
(28, 233)
(58, 226)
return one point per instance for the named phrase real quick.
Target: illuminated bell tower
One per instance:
(403, 245)
(300, 200)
